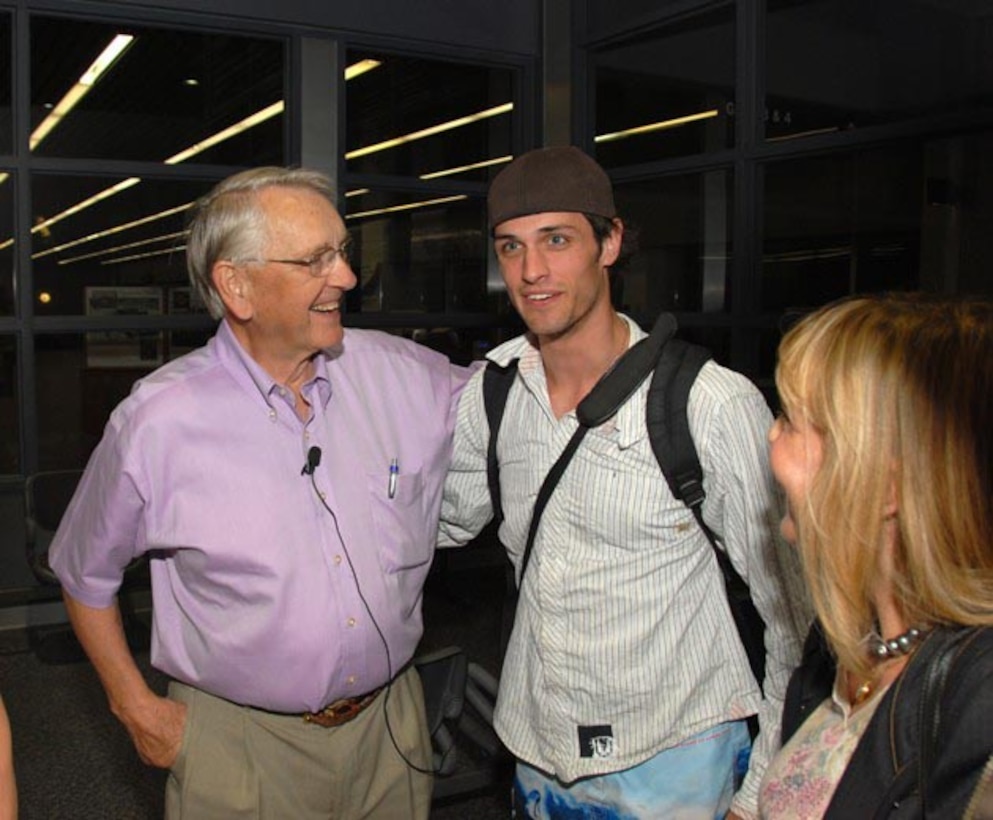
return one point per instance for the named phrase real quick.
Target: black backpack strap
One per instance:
(672, 443)
(669, 426)
(618, 384)
(497, 381)
(545, 493)
(604, 399)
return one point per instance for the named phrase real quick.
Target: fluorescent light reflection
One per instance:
(463, 168)
(82, 87)
(231, 131)
(360, 68)
(277, 108)
(809, 255)
(431, 131)
(163, 252)
(410, 206)
(113, 190)
(656, 126)
(108, 251)
(114, 230)
(813, 132)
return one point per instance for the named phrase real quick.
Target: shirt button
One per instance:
(323, 495)
(306, 436)
(351, 622)
(350, 680)
(272, 414)
(337, 559)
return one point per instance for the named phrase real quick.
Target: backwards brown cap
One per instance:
(561, 178)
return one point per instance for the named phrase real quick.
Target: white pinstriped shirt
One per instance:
(622, 620)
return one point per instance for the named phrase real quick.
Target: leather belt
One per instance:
(341, 711)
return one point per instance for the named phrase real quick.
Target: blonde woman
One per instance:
(885, 453)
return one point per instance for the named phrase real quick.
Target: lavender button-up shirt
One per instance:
(257, 588)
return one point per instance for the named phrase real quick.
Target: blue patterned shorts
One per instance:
(693, 781)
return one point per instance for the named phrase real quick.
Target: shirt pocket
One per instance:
(624, 502)
(405, 532)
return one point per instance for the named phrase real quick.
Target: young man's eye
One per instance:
(557, 239)
(508, 247)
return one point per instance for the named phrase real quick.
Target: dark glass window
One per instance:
(842, 224)
(683, 226)
(9, 415)
(81, 377)
(167, 96)
(6, 122)
(7, 246)
(834, 65)
(419, 253)
(445, 129)
(667, 93)
(426, 118)
(98, 242)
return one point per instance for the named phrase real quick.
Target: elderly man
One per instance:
(285, 481)
(625, 689)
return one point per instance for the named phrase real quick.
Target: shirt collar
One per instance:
(236, 358)
(628, 424)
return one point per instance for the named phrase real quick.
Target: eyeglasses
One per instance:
(318, 265)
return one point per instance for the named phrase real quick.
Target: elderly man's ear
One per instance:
(233, 286)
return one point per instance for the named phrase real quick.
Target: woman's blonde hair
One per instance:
(900, 387)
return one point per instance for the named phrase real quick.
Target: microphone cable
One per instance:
(309, 469)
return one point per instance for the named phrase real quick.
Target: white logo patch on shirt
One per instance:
(596, 741)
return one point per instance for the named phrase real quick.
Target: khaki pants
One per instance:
(237, 762)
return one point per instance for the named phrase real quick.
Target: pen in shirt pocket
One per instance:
(394, 472)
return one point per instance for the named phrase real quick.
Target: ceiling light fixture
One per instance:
(410, 206)
(360, 68)
(813, 132)
(431, 131)
(116, 229)
(164, 252)
(127, 246)
(113, 190)
(258, 117)
(656, 126)
(462, 168)
(249, 122)
(82, 87)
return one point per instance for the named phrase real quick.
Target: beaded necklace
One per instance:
(884, 649)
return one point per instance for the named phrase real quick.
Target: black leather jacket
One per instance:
(884, 779)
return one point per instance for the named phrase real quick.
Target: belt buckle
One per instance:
(341, 711)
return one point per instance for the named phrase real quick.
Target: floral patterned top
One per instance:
(802, 777)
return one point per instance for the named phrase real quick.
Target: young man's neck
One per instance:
(575, 362)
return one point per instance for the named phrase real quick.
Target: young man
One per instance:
(286, 481)
(625, 687)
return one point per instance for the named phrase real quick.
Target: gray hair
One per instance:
(228, 223)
